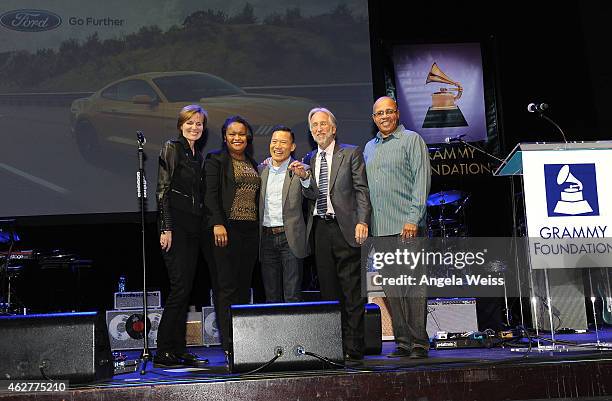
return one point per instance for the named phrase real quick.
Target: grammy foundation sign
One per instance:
(567, 199)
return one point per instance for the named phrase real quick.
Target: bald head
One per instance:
(386, 99)
(385, 115)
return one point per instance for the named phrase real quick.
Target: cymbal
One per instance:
(443, 221)
(444, 197)
(5, 237)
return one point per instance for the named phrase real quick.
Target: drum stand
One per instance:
(441, 218)
(5, 276)
(515, 235)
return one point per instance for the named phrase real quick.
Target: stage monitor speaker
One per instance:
(62, 346)
(311, 296)
(373, 330)
(261, 331)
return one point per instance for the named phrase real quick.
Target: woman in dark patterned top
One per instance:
(179, 201)
(231, 202)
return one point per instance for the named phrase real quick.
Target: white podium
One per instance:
(567, 195)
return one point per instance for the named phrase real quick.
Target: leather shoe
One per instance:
(418, 353)
(193, 360)
(399, 353)
(351, 359)
(167, 360)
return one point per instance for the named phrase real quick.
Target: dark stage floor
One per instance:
(465, 360)
(577, 344)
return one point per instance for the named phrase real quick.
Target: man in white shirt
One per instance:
(338, 220)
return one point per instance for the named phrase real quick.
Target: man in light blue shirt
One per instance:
(284, 183)
(399, 177)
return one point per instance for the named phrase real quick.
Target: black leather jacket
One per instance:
(179, 182)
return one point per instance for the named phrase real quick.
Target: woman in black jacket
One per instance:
(180, 206)
(231, 202)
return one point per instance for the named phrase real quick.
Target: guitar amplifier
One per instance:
(133, 300)
(379, 299)
(453, 315)
(193, 333)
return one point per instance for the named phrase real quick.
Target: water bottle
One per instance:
(121, 285)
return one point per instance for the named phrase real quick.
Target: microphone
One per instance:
(456, 138)
(537, 107)
(141, 138)
(540, 108)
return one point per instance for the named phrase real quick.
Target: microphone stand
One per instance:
(460, 140)
(545, 117)
(514, 231)
(141, 189)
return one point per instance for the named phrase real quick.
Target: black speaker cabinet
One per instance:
(259, 331)
(65, 346)
(373, 330)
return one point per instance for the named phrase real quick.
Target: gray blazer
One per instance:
(293, 215)
(348, 189)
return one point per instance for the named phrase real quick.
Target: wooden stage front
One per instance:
(459, 374)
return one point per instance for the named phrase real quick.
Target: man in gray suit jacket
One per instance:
(338, 220)
(284, 183)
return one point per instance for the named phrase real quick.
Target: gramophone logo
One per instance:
(443, 112)
(571, 190)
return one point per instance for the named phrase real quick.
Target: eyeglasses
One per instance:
(381, 113)
(322, 124)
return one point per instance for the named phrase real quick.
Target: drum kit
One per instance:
(446, 214)
(18, 265)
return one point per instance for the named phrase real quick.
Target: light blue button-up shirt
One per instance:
(273, 203)
(399, 178)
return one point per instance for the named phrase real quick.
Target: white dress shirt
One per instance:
(329, 155)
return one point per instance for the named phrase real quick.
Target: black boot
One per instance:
(167, 360)
(190, 359)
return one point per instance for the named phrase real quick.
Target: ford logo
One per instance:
(30, 20)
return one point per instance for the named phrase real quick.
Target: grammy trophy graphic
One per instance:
(444, 112)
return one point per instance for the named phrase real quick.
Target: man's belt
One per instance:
(327, 217)
(274, 230)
